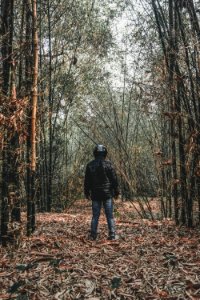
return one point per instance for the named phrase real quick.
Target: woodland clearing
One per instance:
(151, 260)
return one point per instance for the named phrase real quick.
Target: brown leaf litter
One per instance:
(151, 260)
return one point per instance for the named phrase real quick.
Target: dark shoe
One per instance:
(92, 237)
(113, 237)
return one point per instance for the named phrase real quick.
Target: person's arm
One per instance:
(114, 181)
(87, 183)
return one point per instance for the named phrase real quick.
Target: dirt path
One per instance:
(152, 260)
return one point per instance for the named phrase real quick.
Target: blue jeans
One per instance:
(96, 210)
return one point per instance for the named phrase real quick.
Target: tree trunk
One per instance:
(31, 144)
(34, 113)
(49, 198)
(6, 50)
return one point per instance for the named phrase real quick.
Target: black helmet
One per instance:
(100, 150)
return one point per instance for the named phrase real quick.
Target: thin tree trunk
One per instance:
(28, 71)
(171, 70)
(34, 112)
(49, 200)
(13, 162)
(6, 50)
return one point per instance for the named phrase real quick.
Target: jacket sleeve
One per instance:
(87, 183)
(114, 181)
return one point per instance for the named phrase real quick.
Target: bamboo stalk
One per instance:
(34, 88)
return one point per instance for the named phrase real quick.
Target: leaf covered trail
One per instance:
(151, 260)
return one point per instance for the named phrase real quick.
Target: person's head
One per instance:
(100, 151)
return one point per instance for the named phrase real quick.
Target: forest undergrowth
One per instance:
(151, 260)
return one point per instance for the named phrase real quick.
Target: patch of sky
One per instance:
(126, 59)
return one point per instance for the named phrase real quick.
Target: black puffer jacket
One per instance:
(100, 180)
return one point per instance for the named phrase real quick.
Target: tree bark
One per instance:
(6, 51)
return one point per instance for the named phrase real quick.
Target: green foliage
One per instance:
(116, 281)
(25, 267)
(15, 286)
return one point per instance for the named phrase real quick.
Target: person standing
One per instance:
(101, 186)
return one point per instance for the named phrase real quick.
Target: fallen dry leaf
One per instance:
(151, 260)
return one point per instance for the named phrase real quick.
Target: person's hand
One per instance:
(116, 195)
(87, 196)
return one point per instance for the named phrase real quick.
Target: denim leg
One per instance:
(108, 207)
(96, 209)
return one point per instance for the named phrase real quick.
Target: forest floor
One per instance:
(151, 260)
